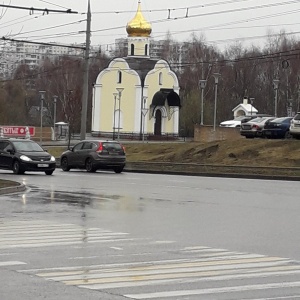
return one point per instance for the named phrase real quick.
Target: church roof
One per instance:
(141, 65)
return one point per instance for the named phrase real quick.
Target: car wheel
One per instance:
(64, 164)
(17, 168)
(288, 135)
(48, 172)
(89, 165)
(118, 169)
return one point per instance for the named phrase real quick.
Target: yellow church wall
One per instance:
(155, 82)
(109, 83)
(128, 104)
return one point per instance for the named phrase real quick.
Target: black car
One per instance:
(21, 155)
(277, 128)
(93, 155)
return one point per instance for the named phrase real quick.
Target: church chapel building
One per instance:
(136, 96)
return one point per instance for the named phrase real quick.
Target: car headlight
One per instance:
(52, 158)
(25, 158)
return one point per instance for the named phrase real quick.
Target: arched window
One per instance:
(146, 49)
(119, 77)
(160, 78)
(132, 49)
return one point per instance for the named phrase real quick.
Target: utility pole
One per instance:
(85, 89)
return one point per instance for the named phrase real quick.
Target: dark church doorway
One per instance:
(157, 125)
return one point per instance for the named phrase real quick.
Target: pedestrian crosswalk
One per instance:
(31, 234)
(172, 279)
(197, 272)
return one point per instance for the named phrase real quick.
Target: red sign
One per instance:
(17, 131)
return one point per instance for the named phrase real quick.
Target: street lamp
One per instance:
(144, 112)
(42, 98)
(216, 77)
(251, 102)
(202, 84)
(114, 126)
(54, 116)
(276, 84)
(120, 90)
(290, 108)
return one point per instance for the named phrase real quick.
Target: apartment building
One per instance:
(12, 54)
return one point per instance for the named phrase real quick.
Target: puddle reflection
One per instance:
(102, 201)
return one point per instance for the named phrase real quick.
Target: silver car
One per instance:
(254, 127)
(295, 126)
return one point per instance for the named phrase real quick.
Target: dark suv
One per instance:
(21, 155)
(93, 155)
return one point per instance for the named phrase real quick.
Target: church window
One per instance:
(160, 78)
(132, 49)
(119, 77)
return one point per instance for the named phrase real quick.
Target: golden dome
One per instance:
(138, 26)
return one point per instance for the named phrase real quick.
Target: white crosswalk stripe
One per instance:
(30, 234)
(11, 263)
(223, 266)
(215, 290)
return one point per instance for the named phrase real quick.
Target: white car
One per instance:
(233, 123)
(295, 126)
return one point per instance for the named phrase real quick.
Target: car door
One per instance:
(85, 153)
(3, 145)
(6, 154)
(74, 155)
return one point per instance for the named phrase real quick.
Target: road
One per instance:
(142, 236)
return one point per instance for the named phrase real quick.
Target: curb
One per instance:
(219, 175)
(191, 169)
(13, 189)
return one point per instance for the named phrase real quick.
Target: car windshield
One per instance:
(297, 117)
(278, 120)
(27, 146)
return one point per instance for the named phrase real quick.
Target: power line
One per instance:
(44, 10)
(227, 11)
(53, 27)
(165, 20)
(52, 4)
(58, 35)
(221, 26)
(46, 44)
(173, 9)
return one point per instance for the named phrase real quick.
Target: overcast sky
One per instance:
(221, 21)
